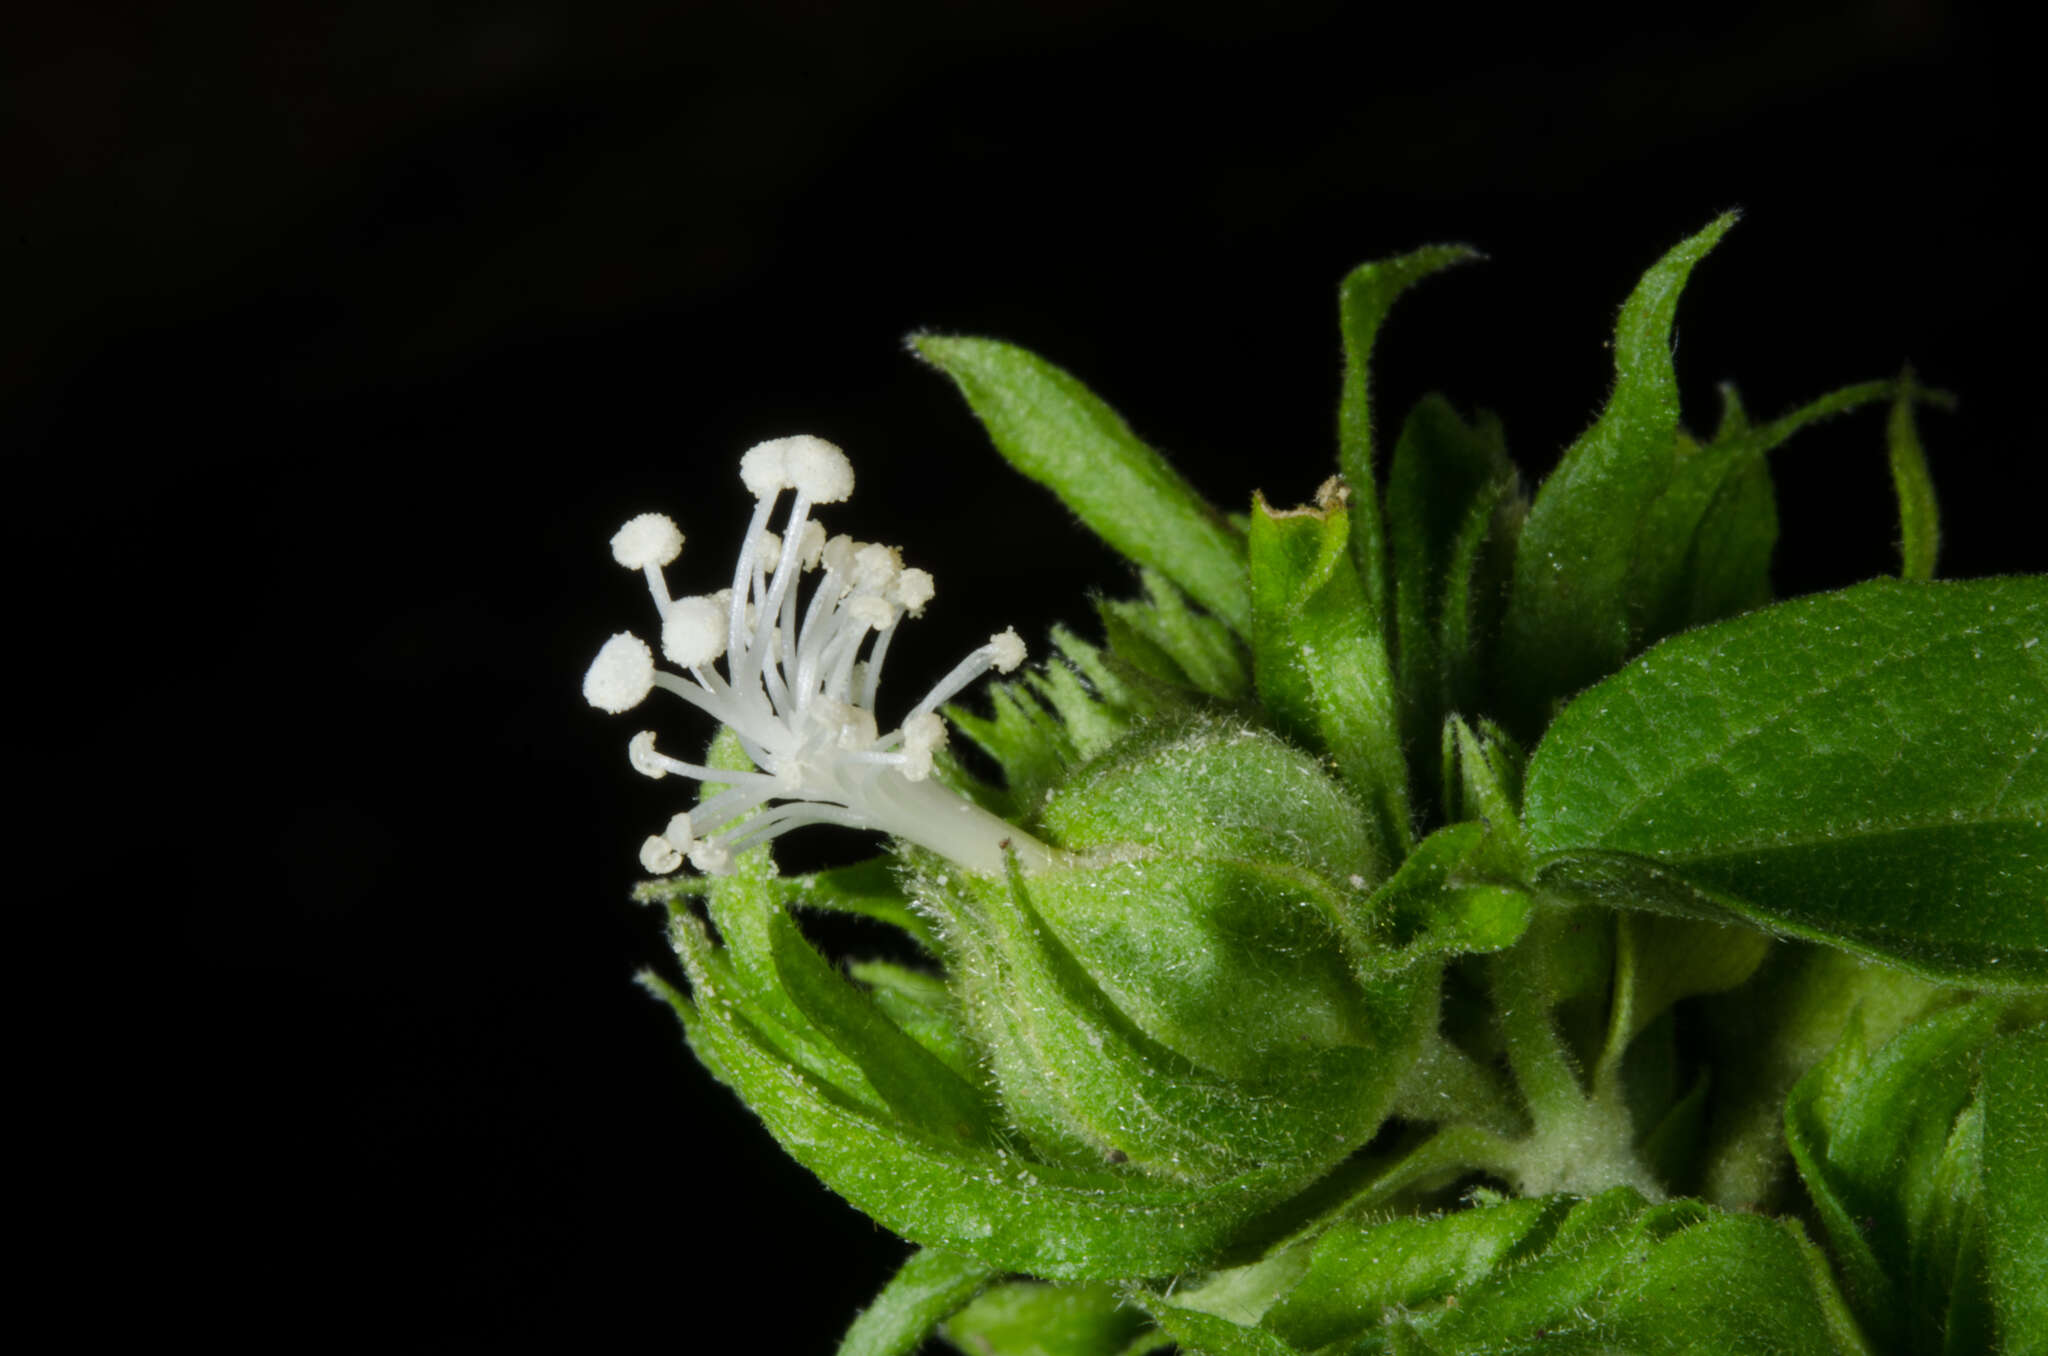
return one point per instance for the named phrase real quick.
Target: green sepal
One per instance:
(1452, 515)
(1162, 636)
(1568, 619)
(1702, 548)
(866, 889)
(1552, 1274)
(1889, 1145)
(1112, 1057)
(1008, 1210)
(1364, 298)
(1482, 779)
(930, 1285)
(919, 1087)
(1060, 434)
(925, 1009)
(1738, 769)
(1322, 668)
(2014, 1095)
(1031, 1318)
(1919, 513)
(1457, 894)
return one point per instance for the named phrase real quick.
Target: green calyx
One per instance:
(1202, 991)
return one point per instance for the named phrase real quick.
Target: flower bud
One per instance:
(1188, 997)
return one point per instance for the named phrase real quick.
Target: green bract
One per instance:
(1217, 871)
(1439, 918)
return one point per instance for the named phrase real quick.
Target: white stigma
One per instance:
(799, 680)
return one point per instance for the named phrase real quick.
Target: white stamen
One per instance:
(650, 539)
(914, 588)
(796, 687)
(1003, 653)
(658, 856)
(645, 760)
(621, 676)
(1007, 650)
(693, 632)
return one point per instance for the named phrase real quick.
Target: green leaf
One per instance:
(1164, 637)
(1568, 619)
(1450, 490)
(1364, 298)
(1858, 768)
(1766, 1035)
(1322, 669)
(1716, 502)
(1455, 895)
(1008, 1210)
(1483, 778)
(1888, 1147)
(2015, 1099)
(1060, 434)
(1919, 516)
(867, 889)
(1029, 1318)
(918, 1086)
(928, 1287)
(1728, 569)
(1660, 960)
(1552, 1274)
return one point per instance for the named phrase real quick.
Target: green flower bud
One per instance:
(1184, 991)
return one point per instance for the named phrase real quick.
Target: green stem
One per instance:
(1449, 1087)
(1544, 1070)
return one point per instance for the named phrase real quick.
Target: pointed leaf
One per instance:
(1029, 1318)
(1322, 669)
(919, 1087)
(928, 1287)
(1716, 501)
(2015, 1095)
(1612, 1273)
(1568, 619)
(1365, 297)
(1060, 434)
(1859, 767)
(1919, 516)
(981, 1201)
(1445, 487)
(1876, 1140)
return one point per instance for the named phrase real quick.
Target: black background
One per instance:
(353, 337)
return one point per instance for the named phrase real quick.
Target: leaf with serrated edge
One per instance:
(1858, 768)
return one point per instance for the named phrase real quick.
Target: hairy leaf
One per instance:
(1859, 767)
(1540, 1274)
(1365, 297)
(1569, 617)
(1060, 434)
(1322, 669)
(2015, 1099)
(929, 1286)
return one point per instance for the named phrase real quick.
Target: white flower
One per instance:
(799, 681)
